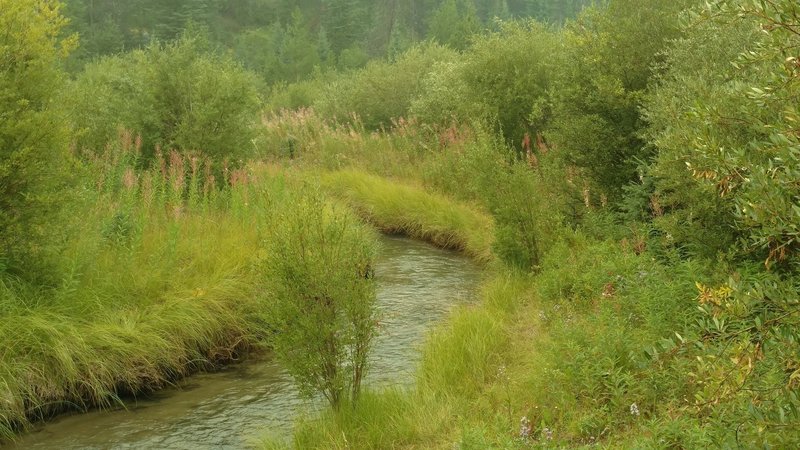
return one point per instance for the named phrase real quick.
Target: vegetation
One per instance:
(406, 210)
(322, 313)
(629, 168)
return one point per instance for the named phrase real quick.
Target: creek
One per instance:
(417, 286)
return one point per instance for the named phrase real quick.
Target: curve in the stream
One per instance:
(417, 285)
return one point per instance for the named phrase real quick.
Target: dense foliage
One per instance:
(34, 159)
(284, 40)
(630, 170)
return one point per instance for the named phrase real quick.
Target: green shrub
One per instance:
(500, 79)
(34, 161)
(602, 72)
(381, 91)
(175, 95)
(319, 269)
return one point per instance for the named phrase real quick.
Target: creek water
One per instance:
(417, 285)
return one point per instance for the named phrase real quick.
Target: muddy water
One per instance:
(417, 285)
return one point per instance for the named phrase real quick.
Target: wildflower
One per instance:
(524, 428)
(634, 410)
(501, 374)
(547, 433)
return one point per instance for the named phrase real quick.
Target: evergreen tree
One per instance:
(453, 23)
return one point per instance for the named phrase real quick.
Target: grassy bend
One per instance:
(398, 208)
(186, 289)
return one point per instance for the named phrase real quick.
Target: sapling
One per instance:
(322, 305)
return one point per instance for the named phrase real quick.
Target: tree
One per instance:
(322, 298)
(299, 53)
(607, 65)
(33, 135)
(454, 23)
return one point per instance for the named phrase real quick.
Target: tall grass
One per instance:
(159, 280)
(397, 208)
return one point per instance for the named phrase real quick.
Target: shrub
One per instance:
(319, 268)
(605, 67)
(727, 133)
(381, 91)
(502, 77)
(176, 95)
(33, 134)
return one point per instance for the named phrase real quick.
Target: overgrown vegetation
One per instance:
(323, 314)
(631, 172)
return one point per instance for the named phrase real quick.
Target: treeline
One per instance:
(284, 40)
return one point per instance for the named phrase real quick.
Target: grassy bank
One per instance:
(397, 208)
(164, 279)
(161, 280)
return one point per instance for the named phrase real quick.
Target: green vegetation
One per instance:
(322, 309)
(397, 209)
(176, 96)
(629, 168)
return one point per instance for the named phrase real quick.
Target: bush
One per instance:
(33, 135)
(319, 268)
(177, 96)
(502, 77)
(605, 67)
(727, 134)
(381, 91)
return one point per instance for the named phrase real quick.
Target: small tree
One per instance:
(33, 135)
(322, 299)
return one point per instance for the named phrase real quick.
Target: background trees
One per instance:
(346, 33)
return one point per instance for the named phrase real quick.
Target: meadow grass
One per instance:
(156, 284)
(397, 208)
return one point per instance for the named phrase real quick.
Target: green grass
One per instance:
(152, 290)
(396, 208)
(457, 386)
(133, 319)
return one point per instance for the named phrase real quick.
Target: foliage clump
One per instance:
(34, 157)
(177, 95)
(322, 310)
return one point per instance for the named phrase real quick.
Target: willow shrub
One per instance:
(33, 154)
(381, 91)
(319, 270)
(177, 95)
(724, 120)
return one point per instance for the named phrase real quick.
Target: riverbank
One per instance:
(162, 290)
(582, 351)
(416, 285)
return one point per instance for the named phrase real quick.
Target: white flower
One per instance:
(524, 427)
